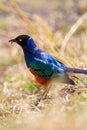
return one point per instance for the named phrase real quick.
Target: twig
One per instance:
(72, 31)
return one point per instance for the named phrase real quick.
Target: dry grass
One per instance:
(66, 105)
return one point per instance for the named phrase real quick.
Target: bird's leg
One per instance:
(46, 92)
(43, 96)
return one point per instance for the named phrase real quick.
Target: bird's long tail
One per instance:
(76, 70)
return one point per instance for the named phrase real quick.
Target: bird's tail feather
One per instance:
(76, 70)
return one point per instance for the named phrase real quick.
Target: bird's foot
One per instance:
(43, 97)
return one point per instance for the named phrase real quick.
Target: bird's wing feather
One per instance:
(44, 68)
(47, 57)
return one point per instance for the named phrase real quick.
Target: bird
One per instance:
(44, 66)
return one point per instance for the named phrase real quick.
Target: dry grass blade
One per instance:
(43, 24)
(72, 31)
(31, 28)
(27, 24)
(4, 8)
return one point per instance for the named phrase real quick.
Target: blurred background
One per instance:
(60, 28)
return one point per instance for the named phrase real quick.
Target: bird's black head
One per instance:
(21, 40)
(26, 42)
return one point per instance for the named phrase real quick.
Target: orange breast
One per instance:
(40, 79)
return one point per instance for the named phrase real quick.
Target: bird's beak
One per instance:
(12, 40)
